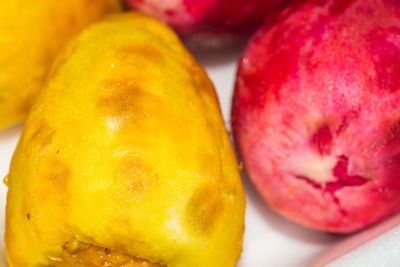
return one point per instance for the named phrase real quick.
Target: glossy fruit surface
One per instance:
(316, 113)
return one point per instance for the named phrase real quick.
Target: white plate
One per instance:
(269, 239)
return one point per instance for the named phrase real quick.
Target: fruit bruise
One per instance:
(315, 113)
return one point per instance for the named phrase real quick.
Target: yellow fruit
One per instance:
(31, 34)
(124, 159)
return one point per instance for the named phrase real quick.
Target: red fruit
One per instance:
(316, 113)
(210, 23)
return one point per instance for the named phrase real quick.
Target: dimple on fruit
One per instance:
(316, 113)
(205, 24)
(31, 35)
(124, 159)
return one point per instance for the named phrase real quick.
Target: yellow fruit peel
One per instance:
(125, 151)
(31, 35)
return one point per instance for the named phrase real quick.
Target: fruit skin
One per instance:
(31, 34)
(316, 114)
(211, 24)
(125, 150)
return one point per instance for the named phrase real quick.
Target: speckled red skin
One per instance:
(322, 88)
(211, 23)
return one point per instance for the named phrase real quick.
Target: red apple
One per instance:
(210, 23)
(316, 113)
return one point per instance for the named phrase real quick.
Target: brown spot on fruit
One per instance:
(54, 177)
(125, 99)
(200, 81)
(135, 175)
(49, 195)
(40, 138)
(119, 97)
(130, 53)
(205, 208)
